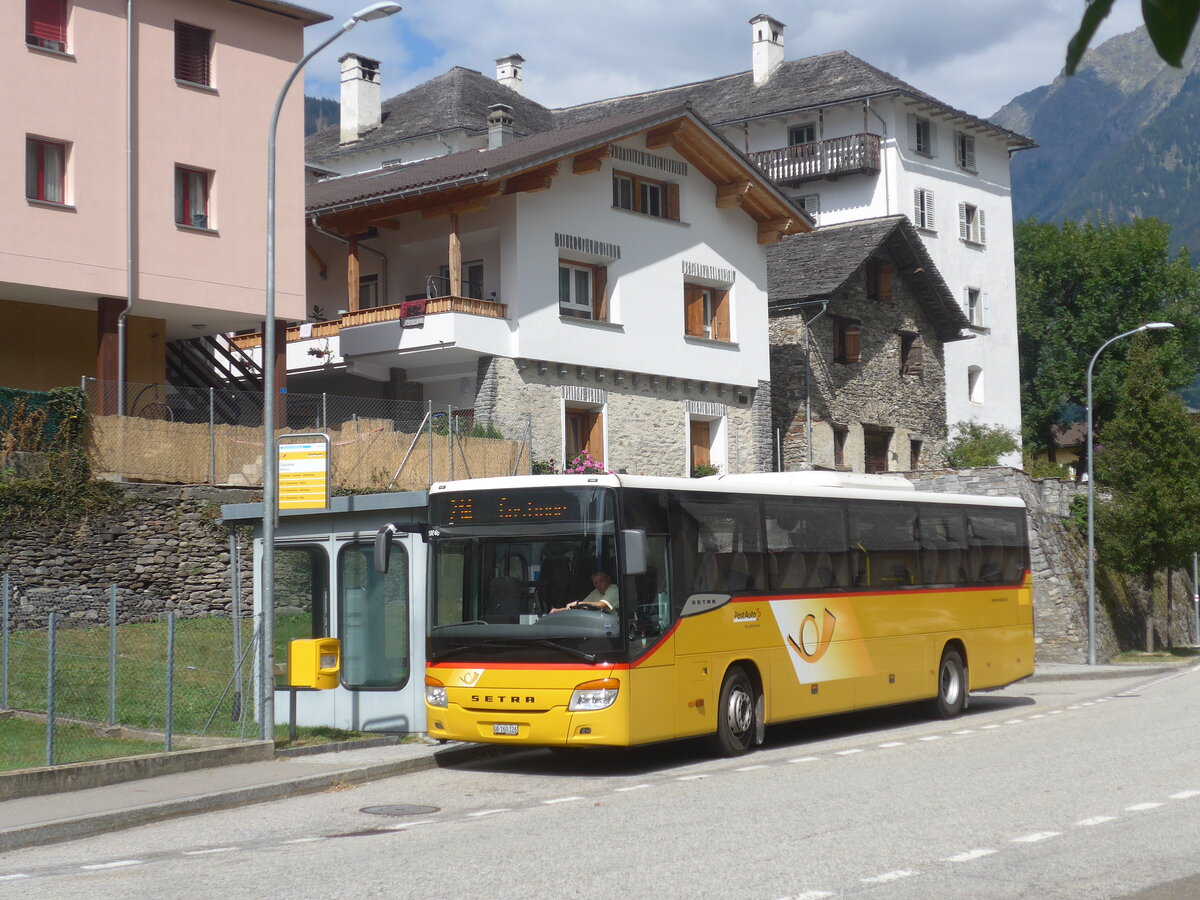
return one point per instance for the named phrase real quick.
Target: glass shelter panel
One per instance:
(373, 613)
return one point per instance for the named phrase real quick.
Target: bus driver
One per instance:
(603, 598)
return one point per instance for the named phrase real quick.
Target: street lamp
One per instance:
(1091, 489)
(270, 486)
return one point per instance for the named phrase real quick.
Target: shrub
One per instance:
(975, 445)
(702, 470)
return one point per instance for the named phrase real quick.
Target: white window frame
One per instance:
(808, 127)
(975, 384)
(964, 151)
(811, 204)
(972, 224)
(923, 209)
(975, 305)
(718, 441)
(572, 302)
(917, 125)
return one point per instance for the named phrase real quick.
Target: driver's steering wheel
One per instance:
(592, 606)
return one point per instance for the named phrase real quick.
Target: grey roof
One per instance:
(457, 99)
(813, 266)
(829, 78)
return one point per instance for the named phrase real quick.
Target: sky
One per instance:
(974, 55)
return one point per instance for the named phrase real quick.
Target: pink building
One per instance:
(205, 76)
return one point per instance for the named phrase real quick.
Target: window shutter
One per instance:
(918, 208)
(853, 334)
(693, 303)
(932, 138)
(720, 315)
(916, 357)
(929, 210)
(672, 202)
(985, 316)
(600, 293)
(912, 132)
(595, 439)
(982, 226)
(192, 46)
(886, 277)
(46, 22)
(964, 230)
(968, 152)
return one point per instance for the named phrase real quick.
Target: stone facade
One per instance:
(645, 416)
(164, 551)
(859, 396)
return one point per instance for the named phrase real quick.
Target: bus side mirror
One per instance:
(633, 543)
(383, 540)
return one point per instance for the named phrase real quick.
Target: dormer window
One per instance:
(646, 196)
(922, 135)
(964, 150)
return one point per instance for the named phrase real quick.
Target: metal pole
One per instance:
(450, 438)
(324, 410)
(778, 452)
(236, 606)
(112, 654)
(170, 717)
(4, 647)
(212, 437)
(1195, 598)
(430, 441)
(270, 487)
(529, 438)
(50, 689)
(808, 435)
(1091, 490)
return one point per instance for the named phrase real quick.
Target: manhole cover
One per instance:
(399, 809)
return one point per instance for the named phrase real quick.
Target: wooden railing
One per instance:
(856, 154)
(487, 308)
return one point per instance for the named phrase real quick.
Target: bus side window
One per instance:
(883, 541)
(942, 531)
(996, 538)
(651, 591)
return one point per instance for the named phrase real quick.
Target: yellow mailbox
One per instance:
(314, 663)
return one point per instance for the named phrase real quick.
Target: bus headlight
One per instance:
(594, 695)
(435, 692)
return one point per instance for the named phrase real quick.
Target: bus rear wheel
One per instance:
(739, 715)
(952, 685)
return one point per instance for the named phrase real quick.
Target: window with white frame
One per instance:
(45, 170)
(975, 384)
(368, 291)
(971, 224)
(922, 135)
(647, 196)
(811, 204)
(191, 198)
(964, 150)
(805, 133)
(923, 209)
(975, 306)
(582, 290)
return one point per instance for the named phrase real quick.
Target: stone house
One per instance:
(859, 312)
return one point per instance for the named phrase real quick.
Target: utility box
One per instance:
(314, 663)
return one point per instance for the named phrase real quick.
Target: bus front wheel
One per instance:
(952, 685)
(739, 715)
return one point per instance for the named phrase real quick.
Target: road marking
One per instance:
(887, 877)
(804, 759)
(120, 863)
(690, 777)
(488, 812)
(850, 751)
(1074, 706)
(632, 787)
(930, 737)
(1087, 703)
(1055, 712)
(404, 826)
(1141, 807)
(1185, 795)
(970, 855)
(561, 800)
(892, 744)
(210, 850)
(307, 840)
(1014, 721)
(751, 768)
(1038, 716)
(965, 731)
(988, 727)
(1095, 820)
(1036, 836)
(1104, 699)
(13, 877)
(812, 895)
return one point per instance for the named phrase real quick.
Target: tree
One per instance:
(974, 445)
(1148, 462)
(1077, 286)
(1168, 22)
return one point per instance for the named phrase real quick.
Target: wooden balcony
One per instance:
(396, 312)
(856, 154)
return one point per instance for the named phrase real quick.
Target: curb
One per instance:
(99, 823)
(1089, 673)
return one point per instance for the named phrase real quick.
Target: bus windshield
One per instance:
(507, 563)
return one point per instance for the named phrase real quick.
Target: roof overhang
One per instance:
(300, 13)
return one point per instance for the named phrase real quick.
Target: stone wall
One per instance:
(164, 551)
(871, 392)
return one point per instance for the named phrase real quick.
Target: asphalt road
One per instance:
(1067, 789)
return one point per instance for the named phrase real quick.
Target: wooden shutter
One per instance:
(700, 443)
(918, 208)
(46, 22)
(880, 280)
(847, 342)
(914, 355)
(192, 46)
(720, 322)
(672, 209)
(693, 310)
(964, 229)
(982, 226)
(600, 293)
(595, 436)
(966, 145)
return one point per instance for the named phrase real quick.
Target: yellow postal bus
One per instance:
(739, 601)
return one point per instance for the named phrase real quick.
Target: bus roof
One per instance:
(845, 485)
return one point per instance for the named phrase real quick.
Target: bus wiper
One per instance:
(589, 657)
(484, 644)
(449, 651)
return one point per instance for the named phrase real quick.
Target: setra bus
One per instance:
(741, 601)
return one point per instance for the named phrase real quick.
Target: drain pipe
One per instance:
(383, 263)
(130, 229)
(887, 190)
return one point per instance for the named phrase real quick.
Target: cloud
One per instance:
(972, 55)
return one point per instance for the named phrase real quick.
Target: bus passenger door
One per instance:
(652, 674)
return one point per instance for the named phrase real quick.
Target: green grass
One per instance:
(23, 745)
(1163, 655)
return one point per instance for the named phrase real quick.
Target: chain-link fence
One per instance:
(94, 682)
(190, 436)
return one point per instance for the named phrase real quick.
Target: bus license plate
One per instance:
(510, 730)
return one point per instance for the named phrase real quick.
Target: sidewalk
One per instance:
(50, 818)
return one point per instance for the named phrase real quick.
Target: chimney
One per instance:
(360, 96)
(767, 47)
(500, 125)
(508, 71)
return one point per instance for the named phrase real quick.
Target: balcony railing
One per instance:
(856, 154)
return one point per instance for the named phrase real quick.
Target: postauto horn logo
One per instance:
(813, 641)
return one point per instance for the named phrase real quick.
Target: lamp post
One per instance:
(1091, 491)
(266, 695)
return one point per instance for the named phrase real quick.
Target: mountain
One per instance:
(1120, 138)
(319, 112)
